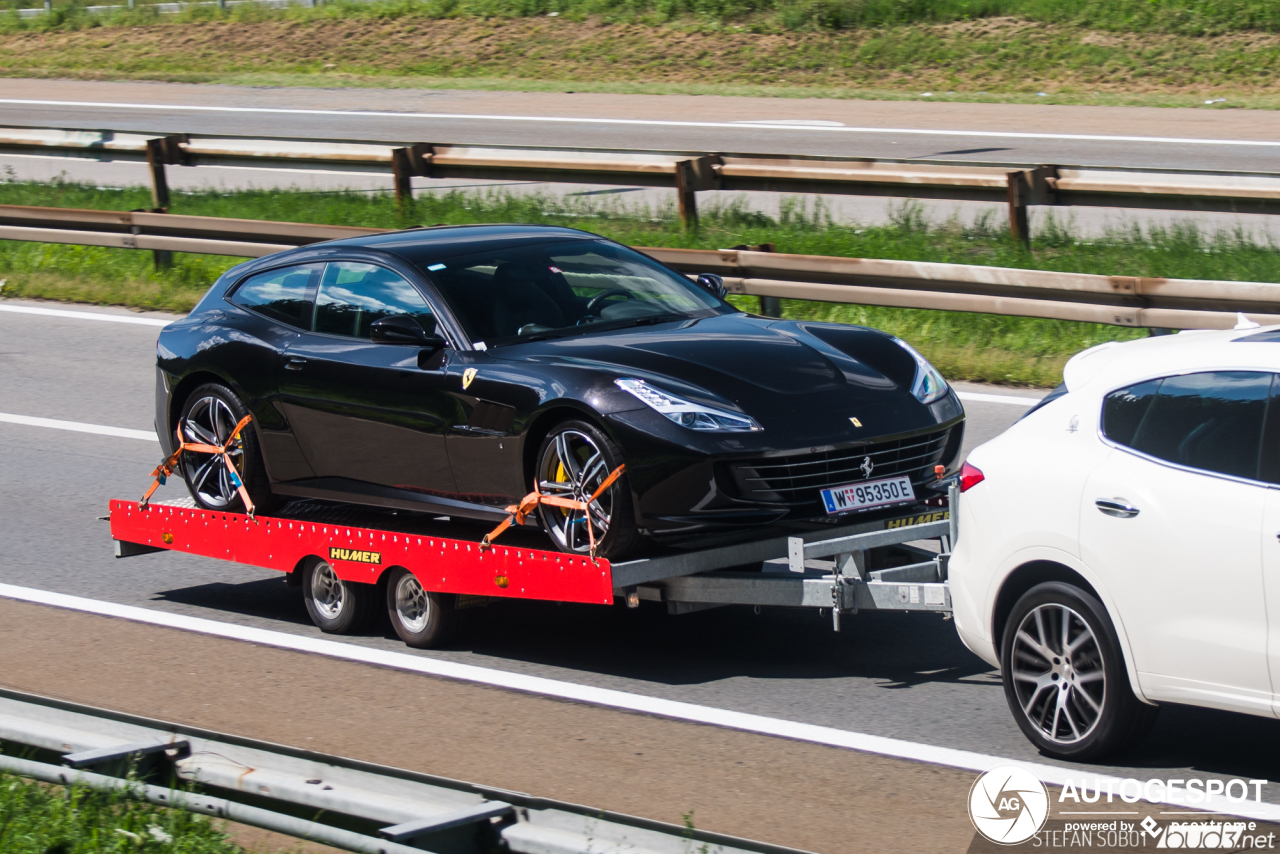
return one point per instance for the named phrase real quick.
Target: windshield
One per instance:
(508, 295)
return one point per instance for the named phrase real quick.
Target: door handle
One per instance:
(294, 363)
(1118, 507)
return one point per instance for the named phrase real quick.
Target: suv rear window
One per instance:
(1210, 421)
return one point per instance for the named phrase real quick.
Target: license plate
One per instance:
(864, 496)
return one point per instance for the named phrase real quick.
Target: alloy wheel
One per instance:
(210, 421)
(1059, 674)
(327, 591)
(413, 607)
(573, 466)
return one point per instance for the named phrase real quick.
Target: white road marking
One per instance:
(976, 397)
(78, 427)
(649, 122)
(424, 664)
(85, 315)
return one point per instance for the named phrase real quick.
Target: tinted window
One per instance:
(279, 294)
(551, 289)
(1210, 421)
(352, 296)
(1123, 410)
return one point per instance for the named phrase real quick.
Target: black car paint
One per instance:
(393, 425)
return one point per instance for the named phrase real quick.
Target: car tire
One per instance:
(1096, 714)
(336, 607)
(422, 619)
(209, 414)
(597, 455)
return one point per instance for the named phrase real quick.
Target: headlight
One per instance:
(695, 416)
(928, 384)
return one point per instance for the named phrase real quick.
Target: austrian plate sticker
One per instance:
(864, 496)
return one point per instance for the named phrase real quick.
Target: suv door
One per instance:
(368, 413)
(1170, 522)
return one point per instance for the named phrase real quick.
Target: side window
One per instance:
(1123, 410)
(1210, 421)
(352, 296)
(279, 294)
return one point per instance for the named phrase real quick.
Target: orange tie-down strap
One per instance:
(518, 512)
(170, 464)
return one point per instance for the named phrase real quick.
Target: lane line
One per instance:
(607, 697)
(78, 427)
(85, 315)
(1080, 137)
(1013, 400)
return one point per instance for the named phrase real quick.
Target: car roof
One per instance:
(1117, 363)
(418, 244)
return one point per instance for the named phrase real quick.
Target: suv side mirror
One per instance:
(712, 283)
(403, 329)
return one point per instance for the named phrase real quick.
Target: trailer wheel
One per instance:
(421, 619)
(1065, 678)
(337, 607)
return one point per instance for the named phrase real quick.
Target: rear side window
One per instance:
(352, 296)
(1124, 409)
(1210, 421)
(282, 295)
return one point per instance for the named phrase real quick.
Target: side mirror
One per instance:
(713, 284)
(403, 329)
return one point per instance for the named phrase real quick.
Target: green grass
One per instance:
(1184, 17)
(40, 819)
(991, 348)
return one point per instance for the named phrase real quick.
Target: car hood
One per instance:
(808, 379)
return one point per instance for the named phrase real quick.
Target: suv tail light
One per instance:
(970, 476)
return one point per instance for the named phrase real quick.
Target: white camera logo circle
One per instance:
(1008, 805)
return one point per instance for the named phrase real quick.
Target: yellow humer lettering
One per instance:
(919, 520)
(336, 553)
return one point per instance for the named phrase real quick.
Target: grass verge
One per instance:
(40, 819)
(1162, 53)
(979, 347)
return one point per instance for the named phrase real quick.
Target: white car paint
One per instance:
(1189, 582)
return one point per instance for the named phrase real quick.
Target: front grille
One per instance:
(798, 477)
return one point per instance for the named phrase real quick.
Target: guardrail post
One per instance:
(687, 195)
(48, 7)
(406, 163)
(769, 306)
(162, 151)
(1019, 222)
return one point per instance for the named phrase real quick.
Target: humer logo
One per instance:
(1008, 805)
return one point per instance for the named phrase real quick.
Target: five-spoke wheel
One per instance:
(209, 416)
(576, 459)
(1064, 677)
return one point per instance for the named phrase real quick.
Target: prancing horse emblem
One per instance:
(467, 376)
(867, 466)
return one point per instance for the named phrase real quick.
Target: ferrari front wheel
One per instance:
(575, 460)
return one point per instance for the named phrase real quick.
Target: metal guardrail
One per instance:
(1116, 300)
(1017, 185)
(345, 803)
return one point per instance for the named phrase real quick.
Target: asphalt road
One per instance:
(898, 675)
(1233, 140)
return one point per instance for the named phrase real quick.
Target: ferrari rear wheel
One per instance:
(575, 459)
(209, 416)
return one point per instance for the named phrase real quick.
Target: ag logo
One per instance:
(1008, 805)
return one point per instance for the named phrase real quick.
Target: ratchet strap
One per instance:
(170, 464)
(519, 512)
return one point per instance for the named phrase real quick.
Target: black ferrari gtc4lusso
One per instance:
(453, 370)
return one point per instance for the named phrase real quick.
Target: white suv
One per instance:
(1118, 545)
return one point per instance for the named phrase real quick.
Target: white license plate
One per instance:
(864, 496)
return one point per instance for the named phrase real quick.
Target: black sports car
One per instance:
(451, 370)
